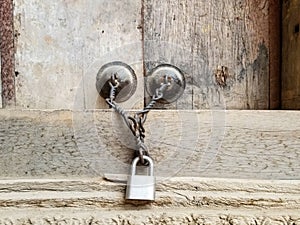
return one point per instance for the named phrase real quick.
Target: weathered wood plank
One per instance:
(233, 144)
(291, 55)
(172, 192)
(7, 50)
(148, 216)
(116, 36)
(193, 184)
(209, 40)
(275, 53)
(62, 45)
(180, 200)
(0, 78)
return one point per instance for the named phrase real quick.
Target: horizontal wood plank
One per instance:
(233, 144)
(181, 200)
(172, 192)
(147, 216)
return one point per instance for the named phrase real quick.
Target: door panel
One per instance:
(210, 40)
(62, 45)
(223, 47)
(291, 55)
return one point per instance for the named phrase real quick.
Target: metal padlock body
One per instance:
(141, 187)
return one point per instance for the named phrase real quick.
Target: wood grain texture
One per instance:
(172, 192)
(151, 217)
(200, 37)
(115, 36)
(232, 144)
(61, 45)
(275, 53)
(0, 78)
(291, 55)
(179, 201)
(7, 51)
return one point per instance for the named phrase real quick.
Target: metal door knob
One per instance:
(125, 76)
(175, 77)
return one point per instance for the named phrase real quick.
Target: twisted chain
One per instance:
(136, 123)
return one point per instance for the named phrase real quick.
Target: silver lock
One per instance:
(141, 187)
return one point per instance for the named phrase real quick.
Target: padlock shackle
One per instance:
(137, 159)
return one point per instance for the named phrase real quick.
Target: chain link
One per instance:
(136, 123)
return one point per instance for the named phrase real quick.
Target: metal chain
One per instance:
(136, 123)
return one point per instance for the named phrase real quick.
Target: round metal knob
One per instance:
(175, 77)
(125, 76)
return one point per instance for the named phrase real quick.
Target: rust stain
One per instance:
(7, 53)
(48, 39)
(221, 75)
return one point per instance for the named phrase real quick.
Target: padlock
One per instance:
(141, 187)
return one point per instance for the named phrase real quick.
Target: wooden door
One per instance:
(227, 50)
